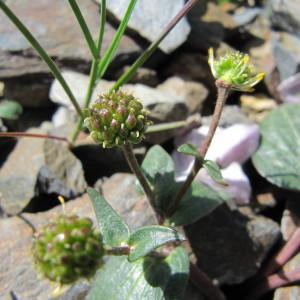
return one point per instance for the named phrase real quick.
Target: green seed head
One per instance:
(67, 249)
(115, 118)
(234, 70)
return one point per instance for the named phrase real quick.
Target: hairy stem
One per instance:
(223, 93)
(202, 282)
(135, 168)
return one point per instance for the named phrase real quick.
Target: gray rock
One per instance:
(39, 166)
(209, 24)
(231, 115)
(16, 270)
(29, 93)
(149, 18)
(231, 245)
(286, 53)
(289, 223)
(245, 15)
(284, 15)
(193, 92)
(55, 26)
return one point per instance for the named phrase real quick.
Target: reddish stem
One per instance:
(275, 281)
(283, 256)
(32, 135)
(223, 93)
(204, 284)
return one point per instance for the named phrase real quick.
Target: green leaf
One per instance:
(147, 239)
(189, 149)
(84, 28)
(214, 171)
(110, 52)
(278, 156)
(114, 230)
(158, 166)
(198, 202)
(10, 110)
(145, 279)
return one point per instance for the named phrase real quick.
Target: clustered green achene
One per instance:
(115, 118)
(235, 71)
(67, 249)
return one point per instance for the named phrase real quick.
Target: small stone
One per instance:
(39, 166)
(209, 24)
(286, 53)
(149, 18)
(289, 89)
(230, 245)
(193, 92)
(284, 14)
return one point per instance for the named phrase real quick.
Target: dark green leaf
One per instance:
(10, 110)
(147, 239)
(278, 156)
(189, 149)
(114, 230)
(214, 171)
(158, 167)
(199, 201)
(145, 279)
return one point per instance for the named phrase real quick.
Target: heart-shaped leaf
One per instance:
(10, 110)
(147, 239)
(145, 279)
(198, 202)
(278, 156)
(113, 229)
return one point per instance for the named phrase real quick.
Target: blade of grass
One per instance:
(150, 50)
(94, 69)
(42, 53)
(84, 28)
(107, 58)
(101, 25)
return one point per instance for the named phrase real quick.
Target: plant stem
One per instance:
(283, 256)
(204, 284)
(84, 28)
(32, 135)
(102, 26)
(150, 50)
(88, 97)
(135, 168)
(223, 93)
(42, 53)
(275, 281)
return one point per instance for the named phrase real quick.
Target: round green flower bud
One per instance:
(67, 249)
(115, 118)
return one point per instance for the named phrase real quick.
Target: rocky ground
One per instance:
(175, 84)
